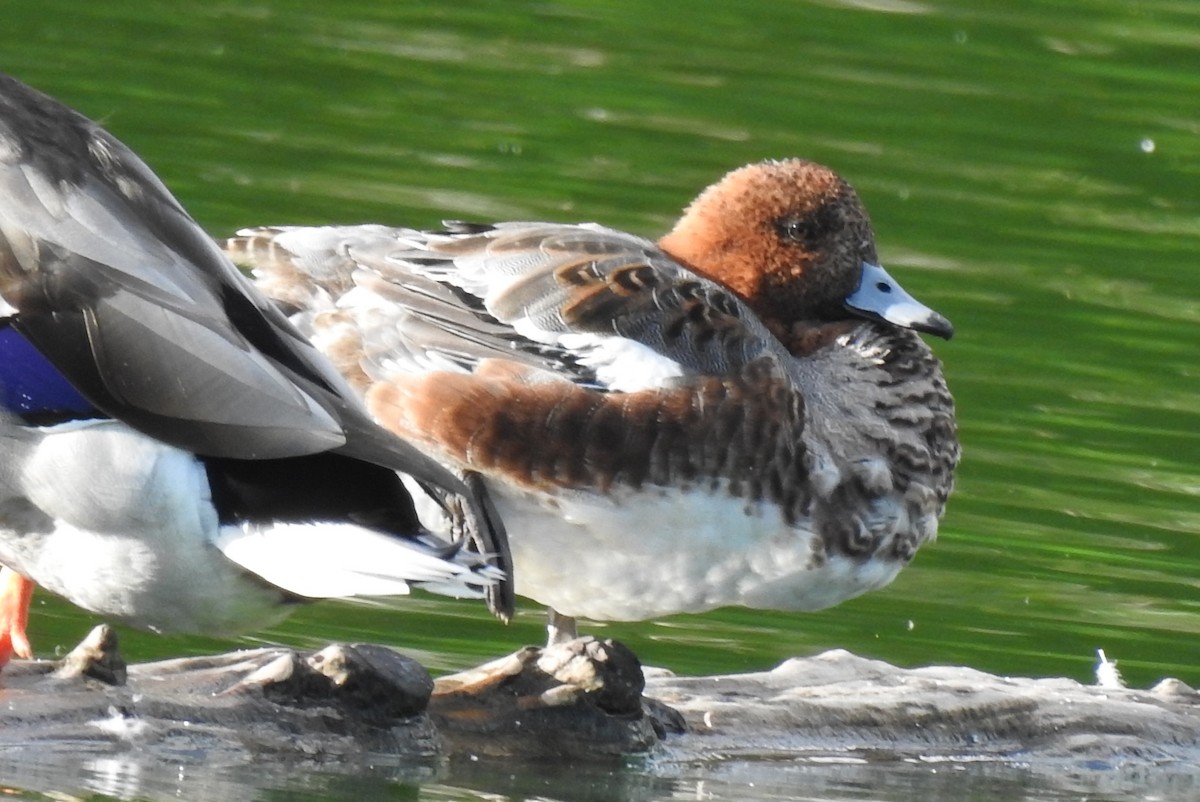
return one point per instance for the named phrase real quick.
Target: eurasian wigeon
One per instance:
(740, 414)
(174, 452)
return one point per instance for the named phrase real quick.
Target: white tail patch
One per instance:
(337, 560)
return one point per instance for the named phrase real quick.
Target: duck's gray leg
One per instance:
(560, 628)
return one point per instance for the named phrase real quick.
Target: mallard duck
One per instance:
(175, 454)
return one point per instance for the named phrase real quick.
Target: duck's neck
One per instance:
(804, 337)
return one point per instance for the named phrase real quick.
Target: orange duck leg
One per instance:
(16, 592)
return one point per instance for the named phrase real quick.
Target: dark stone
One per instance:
(376, 683)
(97, 656)
(580, 700)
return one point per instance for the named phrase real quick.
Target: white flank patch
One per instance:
(621, 364)
(338, 560)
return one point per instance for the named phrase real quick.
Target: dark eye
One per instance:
(795, 229)
(808, 228)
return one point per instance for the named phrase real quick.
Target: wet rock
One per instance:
(581, 699)
(97, 656)
(344, 703)
(377, 684)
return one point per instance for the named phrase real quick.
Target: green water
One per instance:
(1031, 169)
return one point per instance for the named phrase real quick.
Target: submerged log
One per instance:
(347, 704)
(837, 703)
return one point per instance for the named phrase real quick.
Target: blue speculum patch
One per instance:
(30, 386)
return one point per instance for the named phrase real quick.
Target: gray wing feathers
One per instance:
(92, 244)
(583, 300)
(554, 280)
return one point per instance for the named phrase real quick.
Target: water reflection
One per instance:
(815, 780)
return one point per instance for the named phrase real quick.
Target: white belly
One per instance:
(643, 554)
